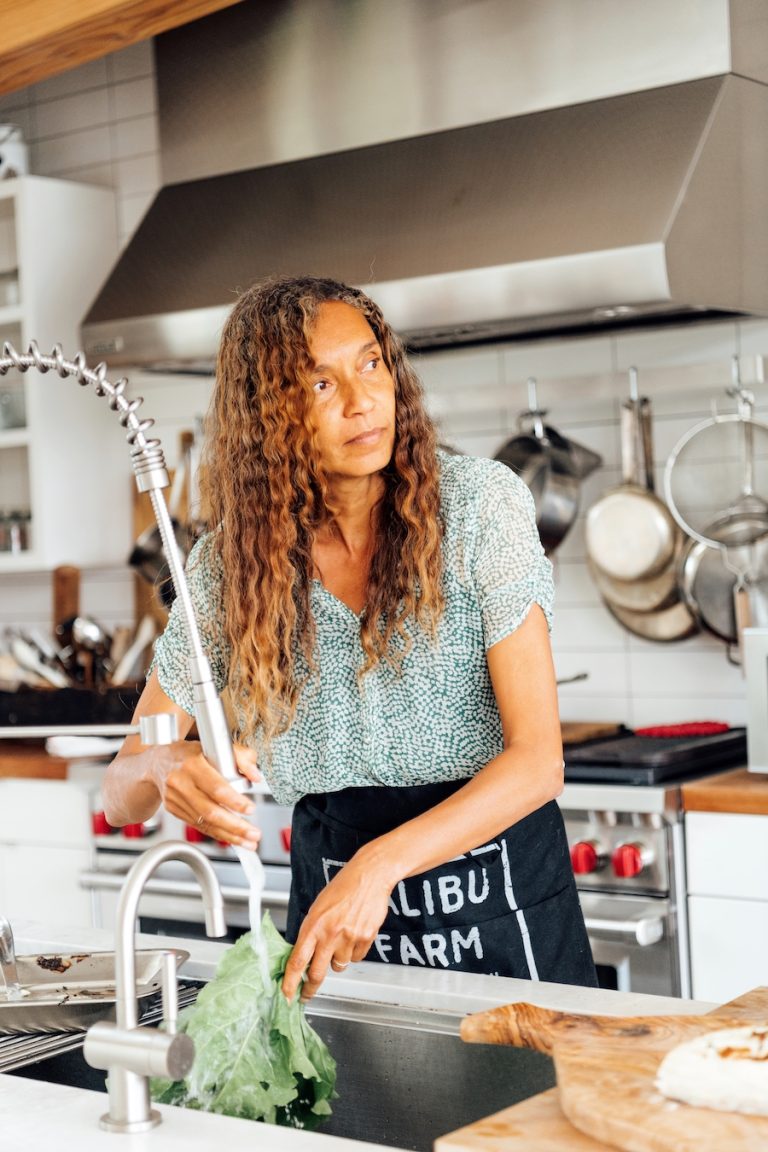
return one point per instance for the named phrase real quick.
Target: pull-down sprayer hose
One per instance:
(151, 475)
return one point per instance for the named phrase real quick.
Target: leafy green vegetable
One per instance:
(256, 1055)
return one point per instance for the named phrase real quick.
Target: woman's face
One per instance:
(353, 407)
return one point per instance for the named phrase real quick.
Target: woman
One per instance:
(379, 612)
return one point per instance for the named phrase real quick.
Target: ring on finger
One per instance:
(339, 965)
(200, 821)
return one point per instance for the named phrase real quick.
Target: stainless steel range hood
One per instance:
(646, 204)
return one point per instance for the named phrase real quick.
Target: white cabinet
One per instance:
(64, 466)
(727, 863)
(45, 844)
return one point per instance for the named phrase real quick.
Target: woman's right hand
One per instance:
(192, 789)
(179, 777)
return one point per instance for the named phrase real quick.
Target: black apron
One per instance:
(507, 908)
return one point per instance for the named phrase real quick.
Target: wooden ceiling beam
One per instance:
(40, 38)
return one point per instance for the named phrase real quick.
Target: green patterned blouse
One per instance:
(436, 719)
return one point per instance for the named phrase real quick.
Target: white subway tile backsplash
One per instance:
(69, 152)
(687, 344)
(481, 409)
(460, 371)
(132, 62)
(680, 709)
(135, 137)
(574, 587)
(555, 359)
(584, 628)
(677, 674)
(472, 444)
(90, 75)
(135, 98)
(101, 175)
(616, 709)
(137, 175)
(72, 113)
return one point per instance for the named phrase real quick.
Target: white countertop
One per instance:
(37, 1115)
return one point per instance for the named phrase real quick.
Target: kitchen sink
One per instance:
(404, 1075)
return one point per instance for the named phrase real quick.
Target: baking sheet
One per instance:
(66, 991)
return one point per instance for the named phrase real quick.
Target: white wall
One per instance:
(98, 124)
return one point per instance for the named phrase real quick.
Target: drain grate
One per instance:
(20, 1049)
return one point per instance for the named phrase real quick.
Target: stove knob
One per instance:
(630, 859)
(587, 856)
(134, 831)
(193, 835)
(285, 839)
(100, 825)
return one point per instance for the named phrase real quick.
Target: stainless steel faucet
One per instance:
(151, 476)
(129, 1053)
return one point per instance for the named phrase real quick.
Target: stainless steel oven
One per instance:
(627, 852)
(171, 902)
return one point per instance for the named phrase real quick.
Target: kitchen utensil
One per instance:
(580, 731)
(717, 473)
(66, 593)
(707, 585)
(666, 624)
(147, 555)
(552, 466)
(145, 634)
(649, 595)
(606, 1068)
(713, 479)
(630, 533)
(28, 657)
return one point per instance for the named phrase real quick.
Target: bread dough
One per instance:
(726, 1070)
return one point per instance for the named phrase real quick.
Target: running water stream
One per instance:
(254, 872)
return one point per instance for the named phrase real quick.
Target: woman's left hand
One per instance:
(340, 927)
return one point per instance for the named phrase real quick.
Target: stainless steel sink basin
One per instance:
(404, 1075)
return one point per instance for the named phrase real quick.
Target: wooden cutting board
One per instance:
(606, 1068)
(577, 731)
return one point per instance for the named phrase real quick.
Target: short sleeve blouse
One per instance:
(436, 718)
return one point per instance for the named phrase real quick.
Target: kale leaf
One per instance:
(256, 1055)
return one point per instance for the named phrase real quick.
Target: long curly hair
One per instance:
(262, 486)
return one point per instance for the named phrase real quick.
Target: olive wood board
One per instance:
(606, 1068)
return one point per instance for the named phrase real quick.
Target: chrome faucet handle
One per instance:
(162, 728)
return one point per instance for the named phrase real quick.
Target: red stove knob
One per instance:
(100, 825)
(586, 856)
(630, 859)
(193, 834)
(134, 831)
(285, 837)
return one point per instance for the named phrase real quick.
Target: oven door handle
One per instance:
(111, 881)
(647, 930)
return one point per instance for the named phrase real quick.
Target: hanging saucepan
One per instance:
(708, 586)
(714, 479)
(630, 534)
(658, 591)
(552, 466)
(675, 622)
